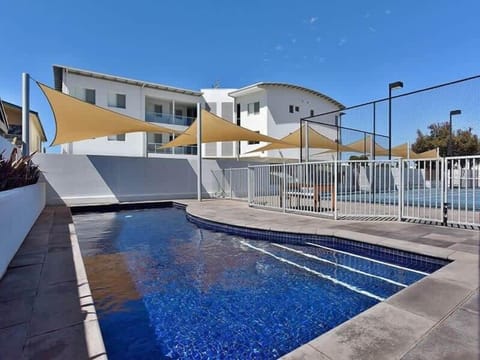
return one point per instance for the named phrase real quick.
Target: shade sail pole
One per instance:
(25, 114)
(199, 152)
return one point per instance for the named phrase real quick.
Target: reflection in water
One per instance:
(110, 281)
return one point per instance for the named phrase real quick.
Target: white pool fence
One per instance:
(443, 190)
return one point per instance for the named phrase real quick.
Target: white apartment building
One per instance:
(273, 109)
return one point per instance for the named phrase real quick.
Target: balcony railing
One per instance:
(155, 148)
(164, 118)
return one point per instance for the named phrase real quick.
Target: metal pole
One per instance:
(449, 145)
(199, 152)
(25, 114)
(307, 150)
(301, 140)
(374, 129)
(389, 123)
(338, 132)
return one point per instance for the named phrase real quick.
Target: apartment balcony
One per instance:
(155, 148)
(170, 119)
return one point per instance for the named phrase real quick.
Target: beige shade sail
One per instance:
(429, 154)
(77, 120)
(404, 152)
(215, 128)
(315, 140)
(365, 146)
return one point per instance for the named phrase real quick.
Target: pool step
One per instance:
(317, 273)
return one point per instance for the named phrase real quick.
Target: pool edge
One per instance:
(93, 334)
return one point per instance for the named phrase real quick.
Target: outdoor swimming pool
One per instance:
(166, 288)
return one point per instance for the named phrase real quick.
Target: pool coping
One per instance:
(93, 334)
(408, 319)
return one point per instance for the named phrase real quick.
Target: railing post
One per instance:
(335, 189)
(249, 185)
(231, 186)
(284, 187)
(400, 191)
(445, 191)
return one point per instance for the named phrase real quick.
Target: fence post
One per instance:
(249, 185)
(401, 164)
(445, 191)
(231, 185)
(335, 188)
(284, 187)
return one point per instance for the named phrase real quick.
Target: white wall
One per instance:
(275, 119)
(28, 201)
(95, 179)
(281, 122)
(135, 143)
(254, 122)
(217, 97)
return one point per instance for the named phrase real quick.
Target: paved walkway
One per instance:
(435, 318)
(46, 308)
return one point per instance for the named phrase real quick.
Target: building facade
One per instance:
(12, 122)
(273, 109)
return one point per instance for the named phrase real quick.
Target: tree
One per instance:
(464, 142)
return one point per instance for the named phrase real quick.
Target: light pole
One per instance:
(449, 144)
(339, 131)
(391, 86)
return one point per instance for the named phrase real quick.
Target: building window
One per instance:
(290, 109)
(312, 113)
(253, 108)
(158, 109)
(119, 137)
(297, 108)
(254, 142)
(90, 96)
(117, 100)
(238, 114)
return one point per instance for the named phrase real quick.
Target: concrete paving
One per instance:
(46, 308)
(435, 318)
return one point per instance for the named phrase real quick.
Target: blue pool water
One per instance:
(165, 288)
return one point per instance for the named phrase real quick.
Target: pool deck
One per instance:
(435, 318)
(47, 312)
(46, 307)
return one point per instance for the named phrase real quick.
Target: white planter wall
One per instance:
(28, 201)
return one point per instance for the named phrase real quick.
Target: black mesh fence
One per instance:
(361, 126)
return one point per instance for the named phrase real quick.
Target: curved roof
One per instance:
(251, 88)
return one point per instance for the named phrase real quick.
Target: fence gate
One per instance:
(423, 189)
(442, 190)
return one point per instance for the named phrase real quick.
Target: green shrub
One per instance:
(17, 172)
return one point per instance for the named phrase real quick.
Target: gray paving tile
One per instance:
(12, 340)
(305, 352)
(26, 259)
(65, 343)
(473, 304)
(418, 298)
(16, 311)
(19, 282)
(382, 332)
(455, 338)
(464, 273)
(57, 306)
(473, 249)
(58, 258)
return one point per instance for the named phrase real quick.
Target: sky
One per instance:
(348, 50)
